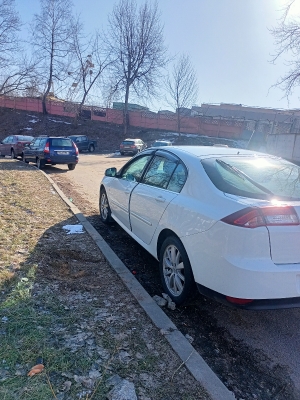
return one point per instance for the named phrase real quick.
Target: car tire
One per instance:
(175, 271)
(104, 208)
(71, 166)
(24, 159)
(12, 154)
(40, 164)
(91, 148)
(122, 153)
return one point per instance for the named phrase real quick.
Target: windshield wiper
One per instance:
(242, 175)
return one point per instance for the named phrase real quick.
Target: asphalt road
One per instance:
(272, 337)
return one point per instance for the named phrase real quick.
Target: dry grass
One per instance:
(61, 304)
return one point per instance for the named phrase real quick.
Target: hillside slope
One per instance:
(108, 136)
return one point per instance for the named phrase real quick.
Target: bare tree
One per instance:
(51, 40)
(136, 44)
(15, 69)
(10, 25)
(287, 41)
(181, 87)
(91, 62)
(17, 78)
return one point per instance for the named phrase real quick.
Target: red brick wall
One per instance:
(230, 129)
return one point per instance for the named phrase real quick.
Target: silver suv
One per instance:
(132, 146)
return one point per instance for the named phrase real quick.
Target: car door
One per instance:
(151, 197)
(120, 188)
(84, 143)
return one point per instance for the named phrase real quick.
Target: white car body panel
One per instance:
(259, 263)
(147, 205)
(119, 191)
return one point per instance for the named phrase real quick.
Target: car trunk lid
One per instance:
(285, 241)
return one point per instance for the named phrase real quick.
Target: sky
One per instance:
(228, 42)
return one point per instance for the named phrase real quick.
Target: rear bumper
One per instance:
(258, 304)
(61, 160)
(236, 262)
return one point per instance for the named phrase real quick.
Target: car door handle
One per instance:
(160, 199)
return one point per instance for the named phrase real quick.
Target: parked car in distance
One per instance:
(13, 145)
(83, 143)
(159, 143)
(51, 150)
(224, 220)
(132, 146)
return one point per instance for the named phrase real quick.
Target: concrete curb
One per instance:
(182, 347)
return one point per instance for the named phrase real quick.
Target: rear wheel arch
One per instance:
(162, 237)
(175, 269)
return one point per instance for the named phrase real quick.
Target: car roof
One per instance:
(210, 151)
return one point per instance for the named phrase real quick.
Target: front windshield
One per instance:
(259, 177)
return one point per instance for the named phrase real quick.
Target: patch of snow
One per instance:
(73, 229)
(33, 121)
(59, 122)
(27, 129)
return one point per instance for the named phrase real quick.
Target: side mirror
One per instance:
(26, 145)
(111, 172)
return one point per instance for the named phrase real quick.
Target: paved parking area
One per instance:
(89, 173)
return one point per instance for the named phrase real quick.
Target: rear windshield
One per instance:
(25, 138)
(128, 142)
(160, 144)
(255, 177)
(62, 142)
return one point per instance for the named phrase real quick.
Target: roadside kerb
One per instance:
(182, 347)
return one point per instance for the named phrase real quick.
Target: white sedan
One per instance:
(223, 220)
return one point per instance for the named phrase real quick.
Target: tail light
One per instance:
(47, 148)
(264, 216)
(76, 149)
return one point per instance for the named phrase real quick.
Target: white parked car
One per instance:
(223, 220)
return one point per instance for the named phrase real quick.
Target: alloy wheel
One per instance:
(173, 270)
(104, 207)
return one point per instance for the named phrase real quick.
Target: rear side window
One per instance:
(178, 179)
(160, 172)
(61, 142)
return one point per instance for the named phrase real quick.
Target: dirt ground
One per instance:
(61, 304)
(247, 371)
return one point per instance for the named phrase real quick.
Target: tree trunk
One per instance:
(178, 123)
(44, 104)
(126, 116)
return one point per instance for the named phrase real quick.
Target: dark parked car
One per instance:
(83, 143)
(132, 146)
(159, 143)
(51, 150)
(13, 145)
